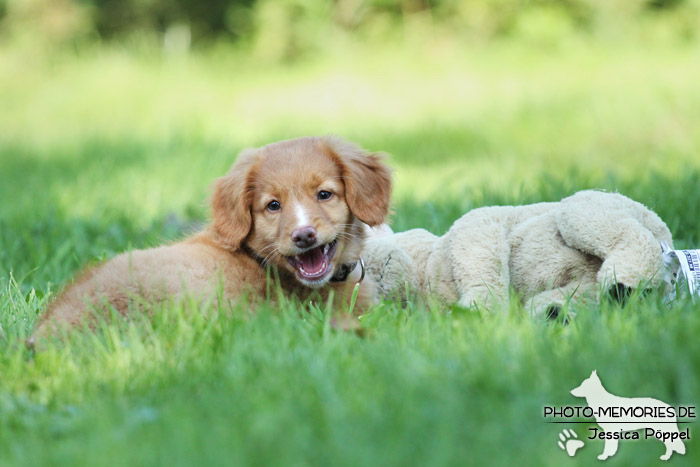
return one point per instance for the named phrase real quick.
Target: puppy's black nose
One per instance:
(304, 237)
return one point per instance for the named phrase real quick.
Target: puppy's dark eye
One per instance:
(274, 205)
(324, 195)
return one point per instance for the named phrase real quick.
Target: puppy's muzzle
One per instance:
(304, 237)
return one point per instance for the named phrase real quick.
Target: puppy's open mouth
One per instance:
(314, 264)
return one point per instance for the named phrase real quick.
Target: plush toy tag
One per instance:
(682, 264)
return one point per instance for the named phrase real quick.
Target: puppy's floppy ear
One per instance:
(232, 200)
(367, 180)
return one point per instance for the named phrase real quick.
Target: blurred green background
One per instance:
(115, 117)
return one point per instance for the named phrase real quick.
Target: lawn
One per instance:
(106, 150)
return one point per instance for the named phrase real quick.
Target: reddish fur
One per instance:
(291, 171)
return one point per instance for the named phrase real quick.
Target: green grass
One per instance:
(109, 151)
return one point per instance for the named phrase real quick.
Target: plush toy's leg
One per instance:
(479, 255)
(635, 258)
(390, 268)
(622, 232)
(598, 209)
(551, 302)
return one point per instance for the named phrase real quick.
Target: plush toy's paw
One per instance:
(560, 304)
(552, 311)
(621, 293)
(466, 301)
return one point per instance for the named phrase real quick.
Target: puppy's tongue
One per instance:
(312, 261)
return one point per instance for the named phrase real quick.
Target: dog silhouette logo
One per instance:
(621, 417)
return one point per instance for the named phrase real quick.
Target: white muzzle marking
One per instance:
(302, 219)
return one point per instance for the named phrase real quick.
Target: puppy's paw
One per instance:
(347, 323)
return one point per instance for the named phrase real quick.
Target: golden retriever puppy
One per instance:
(297, 206)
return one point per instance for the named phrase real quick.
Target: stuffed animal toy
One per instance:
(549, 253)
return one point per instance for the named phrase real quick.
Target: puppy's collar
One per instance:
(344, 271)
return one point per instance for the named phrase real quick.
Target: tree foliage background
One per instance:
(286, 29)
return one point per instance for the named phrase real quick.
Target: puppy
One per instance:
(297, 207)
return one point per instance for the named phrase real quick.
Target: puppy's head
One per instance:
(300, 204)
